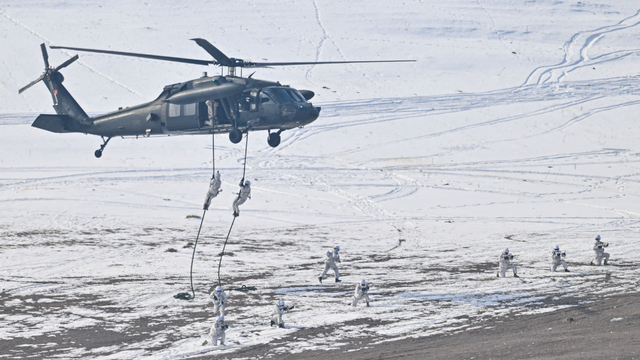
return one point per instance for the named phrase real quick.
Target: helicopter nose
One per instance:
(315, 112)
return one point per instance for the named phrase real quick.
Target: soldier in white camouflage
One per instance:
(362, 292)
(277, 312)
(217, 331)
(557, 259)
(505, 264)
(214, 190)
(219, 298)
(330, 263)
(598, 247)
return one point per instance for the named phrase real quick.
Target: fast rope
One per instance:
(186, 296)
(246, 146)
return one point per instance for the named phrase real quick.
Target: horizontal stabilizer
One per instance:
(53, 123)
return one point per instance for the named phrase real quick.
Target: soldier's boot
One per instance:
(498, 274)
(235, 214)
(320, 279)
(566, 270)
(516, 275)
(338, 280)
(606, 261)
(281, 325)
(272, 323)
(367, 304)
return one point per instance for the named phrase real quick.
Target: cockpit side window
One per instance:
(283, 95)
(265, 98)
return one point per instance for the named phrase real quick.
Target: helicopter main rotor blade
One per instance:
(266, 64)
(146, 56)
(31, 84)
(222, 59)
(67, 63)
(45, 56)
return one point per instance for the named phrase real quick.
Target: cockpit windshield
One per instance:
(285, 95)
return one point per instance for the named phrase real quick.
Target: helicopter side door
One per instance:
(269, 107)
(181, 116)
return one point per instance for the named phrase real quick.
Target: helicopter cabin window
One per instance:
(174, 110)
(189, 109)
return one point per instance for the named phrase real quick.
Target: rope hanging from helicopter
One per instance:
(244, 169)
(187, 296)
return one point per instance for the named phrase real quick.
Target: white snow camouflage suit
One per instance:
(217, 332)
(243, 195)
(600, 254)
(557, 259)
(330, 263)
(505, 264)
(277, 312)
(219, 299)
(214, 190)
(362, 292)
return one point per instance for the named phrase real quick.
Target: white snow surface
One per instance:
(516, 127)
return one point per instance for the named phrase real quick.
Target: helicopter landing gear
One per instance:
(235, 136)
(274, 138)
(98, 152)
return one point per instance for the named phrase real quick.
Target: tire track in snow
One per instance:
(577, 52)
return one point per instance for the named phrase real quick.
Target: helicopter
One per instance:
(207, 105)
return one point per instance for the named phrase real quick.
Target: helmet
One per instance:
(281, 303)
(247, 183)
(557, 247)
(220, 319)
(337, 248)
(598, 237)
(329, 253)
(506, 251)
(217, 174)
(363, 283)
(219, 288)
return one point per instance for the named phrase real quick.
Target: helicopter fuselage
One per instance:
(210, 105)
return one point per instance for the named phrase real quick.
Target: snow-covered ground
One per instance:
(515, 128)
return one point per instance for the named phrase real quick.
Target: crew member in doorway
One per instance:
(557, 259)
(214, 190)
(243, 195)
(600, 254)
(505, 264)
(219, 298)
(362, 292)
(277, 312)
(330, 263)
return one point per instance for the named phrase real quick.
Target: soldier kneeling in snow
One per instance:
(362, 292)
(505, 264)
(600, 254)
(278, 311)
(218, 331)
(557, 259)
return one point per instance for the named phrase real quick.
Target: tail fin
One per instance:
(71, 117)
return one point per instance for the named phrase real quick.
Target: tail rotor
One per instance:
(48, 70)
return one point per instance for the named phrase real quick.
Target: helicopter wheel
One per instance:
(98, 153)
(235, 136)
(273, 139)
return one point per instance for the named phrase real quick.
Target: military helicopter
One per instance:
(207, 105)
